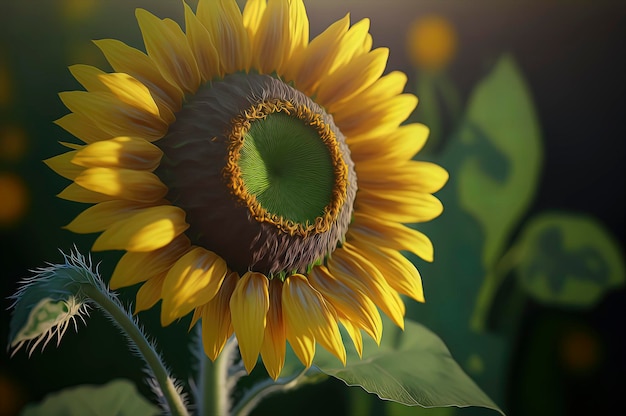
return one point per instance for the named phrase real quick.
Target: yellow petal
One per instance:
(120, 152)
(308, 316)
(398, 205)
(248, 307)
(216, 321)
(136, 267)
(270, 44)
(278, 31)
(308, 69)
(197, 314)
(355, 335)
(72, 146)
(343, 49)
(62, 164)
(147, 230)
(149, 293)
(193, 281)
(103, 215)
(132, 185)
(77, 193)
(202, 46)
(130, 91)
(87, 76)
(352, 78)
(131, 61)
(367, 43)
(223, 20)
(123, 86)
(416, 176)
(167, 46)
(354, 305)
(114, 116)
(274, 345)
(298, 27)
(383, 117)
(351, 45)
(401, 145)
(357, 272)
(252, 15)
(82, 128)
(383, 89)
(399, 272)
(390, 234)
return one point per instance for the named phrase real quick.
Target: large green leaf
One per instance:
(411, 367)
(498, 177)
(118, 397)
(566, 259)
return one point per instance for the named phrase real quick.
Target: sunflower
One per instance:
(254, 178)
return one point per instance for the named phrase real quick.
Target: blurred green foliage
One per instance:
(494, 157)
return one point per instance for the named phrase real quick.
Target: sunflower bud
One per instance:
(47, 302)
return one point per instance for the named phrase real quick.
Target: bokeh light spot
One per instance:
(13, 143)
(12, 394)
(475, 364)
(431, 42)
(13, 199)
(579, 351)
(76, 10)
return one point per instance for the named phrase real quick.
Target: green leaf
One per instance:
(118, 397)
(411, 367)
(569, 260)
(498, 178)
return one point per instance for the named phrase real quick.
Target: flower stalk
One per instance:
(57, 295)
(215, 384)
(266, 388)
(122, 319)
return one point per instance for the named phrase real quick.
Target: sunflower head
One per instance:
(254, 178)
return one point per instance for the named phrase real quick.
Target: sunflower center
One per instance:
(287, 168)
(263, 173)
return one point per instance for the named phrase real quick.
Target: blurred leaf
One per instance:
(119, 397)
(498, 178)
(568, 260)
(395, 409)
(412, 367)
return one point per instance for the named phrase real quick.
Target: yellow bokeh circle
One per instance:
(13, 199)
(431, 42)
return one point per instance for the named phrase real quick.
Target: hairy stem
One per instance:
(107, 303)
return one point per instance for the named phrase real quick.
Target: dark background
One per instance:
(572, 55)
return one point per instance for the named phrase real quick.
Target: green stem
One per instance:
(214, 384)
(263, 389)
(450, 96)
(489, 289)
(122, 319)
